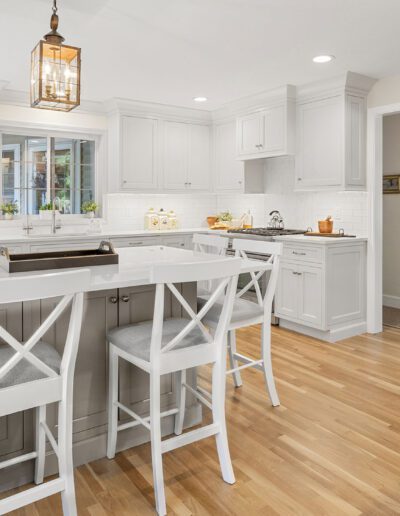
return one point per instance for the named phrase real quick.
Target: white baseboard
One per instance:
(332, 335)
(392, 301)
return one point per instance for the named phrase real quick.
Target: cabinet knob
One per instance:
(113, 299)
(299, 179)
(125, 299)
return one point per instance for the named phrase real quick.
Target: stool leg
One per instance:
(66, 465)
(40, 444)
(156, 455)
(266, 355)
(237, 379)
(112, 400)
(180, 379)
(218, 410)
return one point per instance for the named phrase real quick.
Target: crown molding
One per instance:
(22, 99)
(255, 102)
(349, 82)
(121, 106)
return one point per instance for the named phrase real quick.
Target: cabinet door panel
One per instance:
(249, 134)
(199, 157)
(274, 129)
(355, 141)
(175, 155)
(90, 383)
(228, 170)
(12, 426)
(320, 143)
(310, 295)
(139, 143)
(286, 299)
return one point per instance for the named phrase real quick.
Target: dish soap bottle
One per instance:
(163, 219)
(172, 220)
(151, 220)
(248, 220)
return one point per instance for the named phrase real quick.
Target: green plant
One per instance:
(89, 206)
(46, 207)
(225, 216)
(10, 207)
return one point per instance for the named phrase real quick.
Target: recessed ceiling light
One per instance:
(323, 59)
(200, 99)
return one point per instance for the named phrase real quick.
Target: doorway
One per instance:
(391, 220)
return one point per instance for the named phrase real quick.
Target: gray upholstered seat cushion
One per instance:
(135, 338)
(243, 310)
(24, 371)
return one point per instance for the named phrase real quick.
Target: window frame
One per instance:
(98, 136)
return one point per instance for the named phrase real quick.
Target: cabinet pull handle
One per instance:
(113, 300)
(299, 254)
(135, 243)
(125, 299)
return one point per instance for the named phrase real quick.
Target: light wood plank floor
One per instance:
(331, 448)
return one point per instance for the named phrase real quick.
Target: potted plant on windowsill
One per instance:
(45, 211)
(9, 209)
(90, 208)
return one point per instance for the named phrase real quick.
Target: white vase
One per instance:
(8, 216)
(90, 214)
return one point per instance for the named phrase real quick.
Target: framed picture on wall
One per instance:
(391, 184)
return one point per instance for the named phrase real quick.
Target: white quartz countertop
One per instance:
(319, 240)
(61, 237)
(135, 264)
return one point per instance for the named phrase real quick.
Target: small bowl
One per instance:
(325, 226)
(211, 221)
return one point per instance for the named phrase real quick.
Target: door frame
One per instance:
(375, 214)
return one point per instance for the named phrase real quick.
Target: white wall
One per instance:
(391, 210)
(385, 92)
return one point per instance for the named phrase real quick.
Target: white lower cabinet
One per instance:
(299, 294)
(321, 289)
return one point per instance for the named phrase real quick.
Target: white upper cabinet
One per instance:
(176, 139)
(139, 153)
(330, 134)
(199, 157)
(186, 156)
(229, 172)
(268, 131)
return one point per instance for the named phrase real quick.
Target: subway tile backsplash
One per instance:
(299, 209)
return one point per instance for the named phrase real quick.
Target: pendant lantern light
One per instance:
(55, 71)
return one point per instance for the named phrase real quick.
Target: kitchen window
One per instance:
(38, 170)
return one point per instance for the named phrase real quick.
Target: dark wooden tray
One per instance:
(104, 255)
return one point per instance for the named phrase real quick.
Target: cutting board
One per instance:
(329, 235)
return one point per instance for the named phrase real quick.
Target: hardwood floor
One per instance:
(331, 448)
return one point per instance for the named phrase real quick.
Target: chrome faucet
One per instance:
(27, 227)
(276, 221)
(54, 224)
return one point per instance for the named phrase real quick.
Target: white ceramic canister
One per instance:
(163, 219)
(151, 220)
(172, 220)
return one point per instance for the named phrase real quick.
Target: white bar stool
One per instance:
(33, 374)
(246, 313)
(171, 346)
(214, 244)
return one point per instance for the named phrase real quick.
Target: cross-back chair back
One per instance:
(32, 375)
(243, 248)
(224, 274)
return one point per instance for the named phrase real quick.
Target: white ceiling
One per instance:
(169, 51)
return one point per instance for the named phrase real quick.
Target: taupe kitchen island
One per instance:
(118, 295)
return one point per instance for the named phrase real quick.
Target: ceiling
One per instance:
(170, 51)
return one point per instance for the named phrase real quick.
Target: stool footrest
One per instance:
(199, 396)
(139, 420)
(248, 362)
(189, 437)
(31, 495)
(18, 460)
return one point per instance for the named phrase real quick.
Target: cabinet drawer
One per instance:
(136, 241)
(303, 253)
